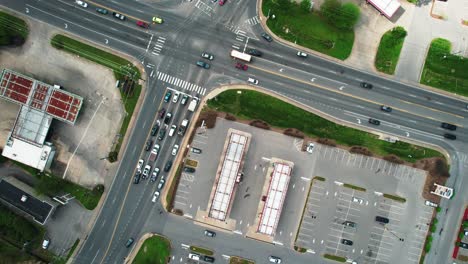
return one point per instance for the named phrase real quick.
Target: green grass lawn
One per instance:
(239, 260)
(201, 250)
(444, 70)
(121, 67)
(255, 105)
(11, 26)
(155, 250)
(389, 50)
(309, 30)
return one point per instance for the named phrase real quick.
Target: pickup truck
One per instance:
(183, 127)
(154, 153)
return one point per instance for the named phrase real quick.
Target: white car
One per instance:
(81, 3)
(194, 256)
(146, 171)
(175, 149)
(140, 164)
(161, 183)
(431, 204)
(155, 196)
(175, 98)
(301, 54)
(45, 243)
(274, 259)
(357, 200)
(310, 148)
(252, 80)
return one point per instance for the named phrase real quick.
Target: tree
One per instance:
(348, 16)
(285, 5)
(305, 5)
(330, 10)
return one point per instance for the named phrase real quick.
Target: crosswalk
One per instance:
(204, 8)
(253, 21)
(181, 83)
(158, 45)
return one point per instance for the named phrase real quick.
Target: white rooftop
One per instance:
(386, 7)
(275, 198)
(26, 153)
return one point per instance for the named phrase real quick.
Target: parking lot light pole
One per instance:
(399, 238)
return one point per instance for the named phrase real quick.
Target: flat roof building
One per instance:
(386, 7)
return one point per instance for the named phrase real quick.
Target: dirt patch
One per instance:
(437, 173)
(209, 117)
(393, 159)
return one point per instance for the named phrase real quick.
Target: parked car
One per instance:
(45, 243)
(142, 24)
(162, 112)
(241, 66)
(252, 81)
(274, 259)
(386, 108)
(357, 200)
(346, 242)
(349, 223)
(168, 165)
(301, 54)
(374, 121)
(448, 126)
(155, 128)
(267, 37)
(196, 150)
(463, 245)
(208, 258)
(381, 219)
(366, 85)
(167, 97)
(209, 233)
(155, 196)
(118, 16)
(310, 147)
(184, 99)
(194, 256)
(176, 97)
(102, 11)
(450, 136)
(155, 174)
(203, 64)
(255, 52)
(207, 55)
(189, 169)
(81, 3)
(431, 204)
(129, 242)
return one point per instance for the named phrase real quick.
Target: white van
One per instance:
(194, 256)
(172, 131)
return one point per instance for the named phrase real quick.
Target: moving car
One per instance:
(45, 243)
(161, 184)
(155, 128)
(385, 108)
(172, 130)
(140, 164)
(118, 16)
(374, 121)
(136, 178)
(184, 99)
(168, 165)
(310, 148)
(463, 245)
(346, 242)
(267, 37)
(252, 80)
(448, 126)
(301, 54)
(155, 174)
(207, 55)
(255, 52)
(162, 133)
(129, 242)
(155, 196)
(148, 145)
(157, 20)
(274, 259)
(366, 85)
(241, 66)
(203, 64)
(450, 136)
(209, 233)
(162, 112)
(146, 171)
(175, 149)
(357, 200)
(167, 97)
(189, 169)
(102, 11)
(176, 97)
(222, 2)
(168, 117)
(81, 3)
(142, 24)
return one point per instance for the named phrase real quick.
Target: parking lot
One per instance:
(340, 220)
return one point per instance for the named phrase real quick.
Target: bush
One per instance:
(427, 248)
(360, 150)
(435, 221)
(433, 228)
(438, 209)
(430, 238)
(393, 159)
(112, 156)
(260, 124)
(327, 141)
(293, 133)
(305, 5)
(230, 117)
(341, 16)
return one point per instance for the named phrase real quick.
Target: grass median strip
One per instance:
(318, 178)
(389, 50)
(121, 67)
(239, 260)
(155, 250)
(253, 105)
(335, 258)
(354, 187)
(203, 251)
(395, 197)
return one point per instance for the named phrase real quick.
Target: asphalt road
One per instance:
(193, 27)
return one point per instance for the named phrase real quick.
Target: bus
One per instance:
(241, 56)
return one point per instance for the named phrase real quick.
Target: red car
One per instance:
(221, 2)
(162, 112)
(241, 66)
(142, 24)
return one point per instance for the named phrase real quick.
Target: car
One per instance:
(168, 166)
(184, 99)
(255, 52)
(385, 108)
(172, 130)
(346, 242)
(203, 64)
(431, 204)
(140, 164)
(207, 55)
(357, 200)
(142, 24)
(366, 85)
(129, 242)
(241, 66)
(210, 233)
(374, 121)
(450, 136)
(146, 171)
(168, 117)
(162, 133)
(102, 11)
(194, 256)
(267, 37)
(157, 20)
(208, 258)
(301, 54)
(45, 243)
(349, 223)
(222, 2)
(148, 145)
(175, 149)
(252, 80)
(176, 97)
(155, 196)
(155, 174)
(274, 259)
(161, 184)
(118, 16)
(167, 97)
(240, 177)
(381, 219)
(162, 112)
(196, 150)
(189, 169)
(136, 178)
(310, 147)
(81, 3)
(448, 126)
(155, 128)
(463, 245)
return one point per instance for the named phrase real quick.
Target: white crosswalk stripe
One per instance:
(180, 83)
(253, 21)
(158, 46)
